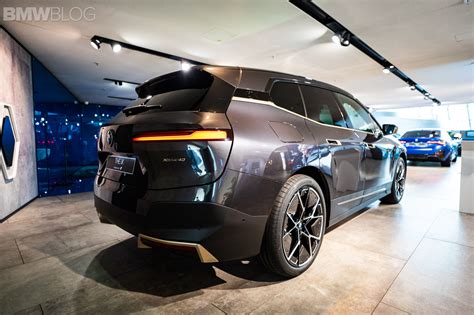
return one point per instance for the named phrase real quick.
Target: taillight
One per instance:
(440, 142)
(195, 135)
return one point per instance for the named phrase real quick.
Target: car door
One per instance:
(341, 150)
(377, 162)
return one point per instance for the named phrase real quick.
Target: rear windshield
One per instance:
(193, 90)
(422, 134)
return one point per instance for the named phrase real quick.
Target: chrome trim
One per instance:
(204, 255)
(270, 103)
(363, 196)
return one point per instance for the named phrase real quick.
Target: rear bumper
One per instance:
(224, 232)
(427, 155)
(423, 157)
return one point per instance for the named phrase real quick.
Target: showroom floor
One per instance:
(416, 257)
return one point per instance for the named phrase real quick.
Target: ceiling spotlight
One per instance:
(341, 38)
(185, 66)
(95, 43)
(391, 67)
(412, 87)
(116, 47)
(345, 38)
(426, 97)
(386, 70)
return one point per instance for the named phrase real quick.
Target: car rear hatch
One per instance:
(176, 134)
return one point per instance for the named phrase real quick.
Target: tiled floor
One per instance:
(416, 257)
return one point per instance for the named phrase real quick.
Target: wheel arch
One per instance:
(318, 176)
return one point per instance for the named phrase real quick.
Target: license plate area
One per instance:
(121, 164)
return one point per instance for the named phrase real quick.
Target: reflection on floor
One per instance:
(416, 257)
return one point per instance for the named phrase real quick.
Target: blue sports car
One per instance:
(430, 145)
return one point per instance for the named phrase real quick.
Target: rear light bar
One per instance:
(440, 142)
(195, 135)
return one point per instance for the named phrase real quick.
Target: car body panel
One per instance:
(420, 148)
(219, 194)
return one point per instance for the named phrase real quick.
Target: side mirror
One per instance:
(389, 129)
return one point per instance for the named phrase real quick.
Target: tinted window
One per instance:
(357, 117)
(422, 134)
(287, 96)
(322, 106)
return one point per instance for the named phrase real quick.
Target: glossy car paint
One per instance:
(419, 148)
(223, 203)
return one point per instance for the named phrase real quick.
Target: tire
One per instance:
(446, 163)
(459, 151)
(286, 248)
(398, 184)
(455, 153)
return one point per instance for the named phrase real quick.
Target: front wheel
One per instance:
(295, 227)
(398, 184)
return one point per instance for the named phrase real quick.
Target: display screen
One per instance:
(7, 141)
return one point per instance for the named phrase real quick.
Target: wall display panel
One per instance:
(9, 142)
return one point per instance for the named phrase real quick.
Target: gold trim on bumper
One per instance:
(204, 254)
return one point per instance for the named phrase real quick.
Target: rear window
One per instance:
(194, 90)
(422, 134)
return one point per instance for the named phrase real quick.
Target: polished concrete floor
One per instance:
(416, 257)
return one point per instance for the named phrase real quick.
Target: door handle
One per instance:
(333, 142)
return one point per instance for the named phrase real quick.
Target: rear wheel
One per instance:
(295, 227)
(398, 184)
(446, 163)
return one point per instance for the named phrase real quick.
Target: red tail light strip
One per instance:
(196, 135)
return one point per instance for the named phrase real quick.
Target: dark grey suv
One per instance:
(232, 163)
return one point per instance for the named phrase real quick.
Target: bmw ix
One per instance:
(231, 162)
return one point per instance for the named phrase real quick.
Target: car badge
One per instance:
(110, 137)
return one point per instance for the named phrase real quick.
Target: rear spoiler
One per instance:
(156, 85)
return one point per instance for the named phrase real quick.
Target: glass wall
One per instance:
(450, 117)
(66, 136)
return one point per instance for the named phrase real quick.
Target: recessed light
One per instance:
(386, 70)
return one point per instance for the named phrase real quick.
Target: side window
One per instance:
(322, 106)
(287, 96)
(358, 118)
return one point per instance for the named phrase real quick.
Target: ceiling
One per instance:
(432, 41)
